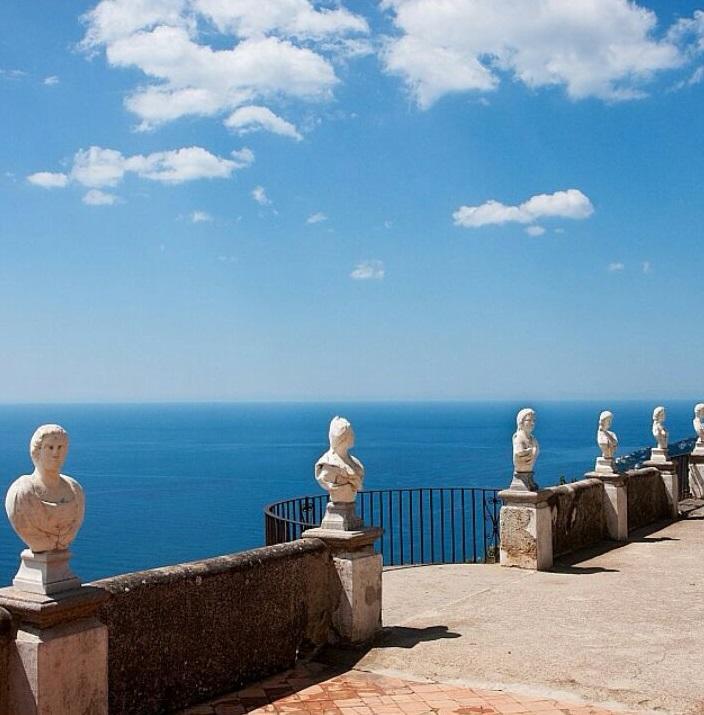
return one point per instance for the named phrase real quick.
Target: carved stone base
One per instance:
(47, 572)
(604, 465)
(615, 503)
(526, 529)
(357, 613)
(671, 481)
(523, 482)
(58, 662)
(341, 516)
(696, 475)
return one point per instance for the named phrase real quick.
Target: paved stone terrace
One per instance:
(317, 688)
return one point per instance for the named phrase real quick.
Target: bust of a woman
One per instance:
(659, 430)
(605, 438)
(337, 471)
(46, 507)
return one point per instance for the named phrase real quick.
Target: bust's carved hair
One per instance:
(35, 444)
(339, 426)
(525, 412)
(658, 414)
(698, 408)
(605, 415)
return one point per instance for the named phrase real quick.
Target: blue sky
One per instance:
(229, 199)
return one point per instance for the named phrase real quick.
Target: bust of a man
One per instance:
(605, 438)
(659, 430)
(46, 507)
(337, 471)
(525, 445)
(697, 423)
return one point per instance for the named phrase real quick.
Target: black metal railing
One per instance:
(430, 525)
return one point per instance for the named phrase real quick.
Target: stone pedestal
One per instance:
(47, 572)
(357, 612)
(604, 465)
(696, 473)
(526, 529)
(58, 662)
(615, 503)
(341, 516)
(657, 456)
(671, 482)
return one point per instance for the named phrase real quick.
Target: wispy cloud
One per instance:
(535, 230)
(615, 267)
(368, 270)
(572, 204)
(253, 119)
(95, 197)
(200, 217)
(259, 195)
(48, 179)
(51, 80)
(318, 217)
(647, 266)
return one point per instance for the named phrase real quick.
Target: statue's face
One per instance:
(52, 453)
(528, 423)
(606, 422)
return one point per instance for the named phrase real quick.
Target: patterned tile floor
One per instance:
(316, 688)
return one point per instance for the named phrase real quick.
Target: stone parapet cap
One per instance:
(42, 611)
(517, 497)
(339, 540)
(662, 466)
(616, 479)
(591, 480)
(697, 457)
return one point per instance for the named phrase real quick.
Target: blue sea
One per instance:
(175, 482)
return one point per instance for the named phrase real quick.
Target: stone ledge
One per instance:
(617, 479)
(514, 496)
(339, 540)
(208, 567)
(42, 611)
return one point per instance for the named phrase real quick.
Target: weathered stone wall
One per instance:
(182, 634)
(647, 498)
(7, 634)
(577, 512)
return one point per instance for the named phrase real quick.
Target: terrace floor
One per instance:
(617, 630)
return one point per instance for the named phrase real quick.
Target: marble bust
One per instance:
(607, 442)
(659, 430)
(341, 475)
(525, 451)
(698, 426)
(46, 507)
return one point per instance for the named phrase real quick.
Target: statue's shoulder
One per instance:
(21, 486)
(357, 463)
(75, 487)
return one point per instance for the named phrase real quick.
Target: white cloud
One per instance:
(647, 266)
(615, 267)
(252, 119)
(593, 48)
(259, 195)
(95, 197)
(51, 81)
(200, 217)
(535, 230)
(368, 270)
(48, 180)
(97, 168)
(260, 52)
(12, 74)
(565, 204)
(318, 217)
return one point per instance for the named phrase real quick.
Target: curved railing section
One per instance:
(428, 525)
